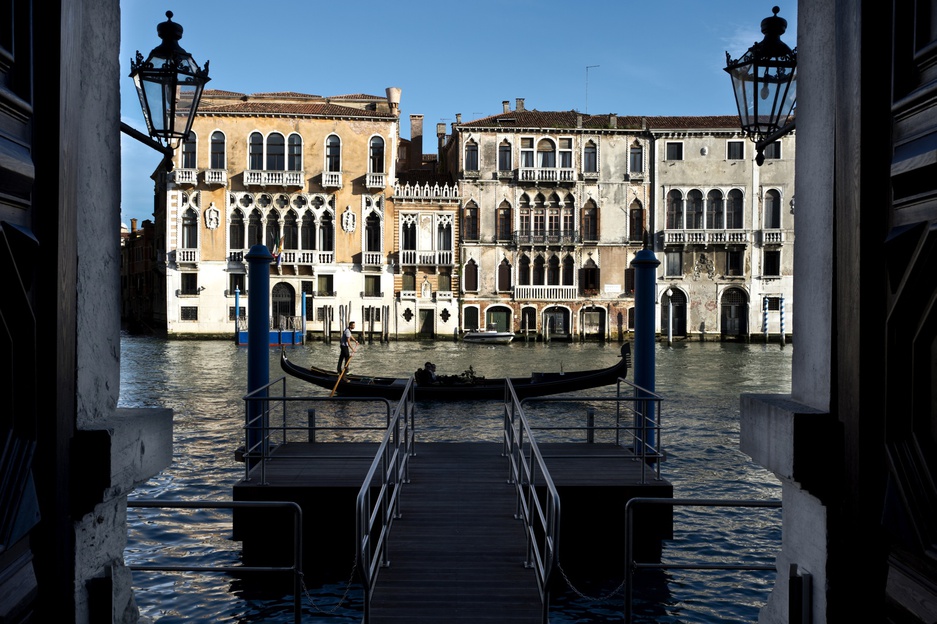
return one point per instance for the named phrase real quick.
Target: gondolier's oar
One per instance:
(342, 374)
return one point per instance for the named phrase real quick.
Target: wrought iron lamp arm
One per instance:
(166, 150)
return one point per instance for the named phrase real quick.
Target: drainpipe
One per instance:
(258, 342)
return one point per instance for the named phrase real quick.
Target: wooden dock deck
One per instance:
(457, 553)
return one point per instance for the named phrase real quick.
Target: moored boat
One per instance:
(465, 387)
(488, 336)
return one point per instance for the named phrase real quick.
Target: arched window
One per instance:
(715, 210)
(569, 224)
(470, 222)
(504, 276)
(540, 223)
(590, 222)
(636, 222)
(295, 153)
(276, 152)
(553, 271)
(255, 152)
(674, 210)
(377, 155)
(537, 277)
(408, 235)
(327, 232)
(307, 231)
(523, 271)
(568, 270)
(290, 231)
(254, 229)
(189, 229)
(590, 160)
(471, 276)
(444, 235)
(546, 153)
(272, 232)
(188, 152)
(471, 156)
(504, 156)
(636, 158)
(504, 221)
(217, 150)
(236, 230)
(734, 215)
(694, 210)
(524, 215)
(372, 233)
(333, 154)
(772, 210)
(553, 215)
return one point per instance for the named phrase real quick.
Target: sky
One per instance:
(628, 57)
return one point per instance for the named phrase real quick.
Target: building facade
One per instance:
(307, 176)
(724, 230)
(554, 207)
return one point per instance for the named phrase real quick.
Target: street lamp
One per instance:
(764, 83)
(169, 83)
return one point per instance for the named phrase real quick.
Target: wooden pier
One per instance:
(456, 552)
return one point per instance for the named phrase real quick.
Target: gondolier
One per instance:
(345, 346)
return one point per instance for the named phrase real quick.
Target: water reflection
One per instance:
(204, 381)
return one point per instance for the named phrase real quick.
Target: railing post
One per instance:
(645, 264)
(311, 424)
(590, 425)
(258, 343)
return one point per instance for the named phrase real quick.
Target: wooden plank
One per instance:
(457, 553)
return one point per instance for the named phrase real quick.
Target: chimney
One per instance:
(458, 118)
(520, 104)
(440, 135)
(416, 141)
(133, 226)
(579, 120)
(393, 99)
(613, 120)
(506, 105)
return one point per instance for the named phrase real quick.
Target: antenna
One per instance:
(588, 67)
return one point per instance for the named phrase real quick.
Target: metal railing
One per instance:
(296, 568)
(378, 499)
(266, 423)
(631, 565)
(527, 470)
(637, 423)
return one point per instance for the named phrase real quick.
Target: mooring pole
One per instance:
(645, 265)
(258, 345)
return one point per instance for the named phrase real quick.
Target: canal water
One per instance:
(203, 383)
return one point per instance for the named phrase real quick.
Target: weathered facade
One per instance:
(554, 207)
(724, 230)
(305, 175)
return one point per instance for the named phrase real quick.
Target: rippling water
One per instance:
(203, 382)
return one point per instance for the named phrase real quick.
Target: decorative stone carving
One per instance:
(212, 217)
(349, 220)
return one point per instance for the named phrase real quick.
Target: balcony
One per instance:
(332, 179)
(408, 294)
(538, 237)
(706, 237)
(255, 177)
(430, 257)
(546, 174)
(216, 177)
(375, 180)
(772, 237)
(443, 295)
(372, 258)
(545, 293)
(307, 257)
(186, 177)
(186, 256)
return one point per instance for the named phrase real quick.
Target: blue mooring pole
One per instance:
(258, 343)
(645, 265)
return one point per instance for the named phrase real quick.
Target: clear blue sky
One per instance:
(661, 57)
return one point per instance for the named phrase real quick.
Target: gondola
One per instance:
(465, 387)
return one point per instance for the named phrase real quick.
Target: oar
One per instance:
(342, 374)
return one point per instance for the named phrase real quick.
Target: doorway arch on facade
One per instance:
(500, 317)
(678, 299)
(592, 321)
(556, 322)
(734, 312)
(470, 318)
(283, 300)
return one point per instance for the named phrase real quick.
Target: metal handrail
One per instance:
(644, 435)
(296, 568)
(259, 453)
(631, 565)
(376, 511)
(541, 521)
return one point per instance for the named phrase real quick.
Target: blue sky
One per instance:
(649, 58)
